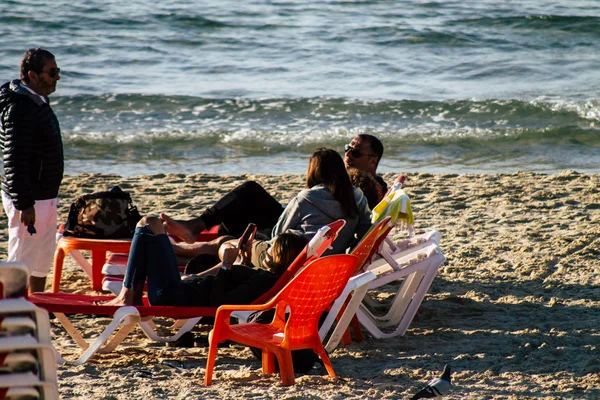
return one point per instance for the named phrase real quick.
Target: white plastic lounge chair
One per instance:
(27, 358)
(14, 278)
(417, 273)
(415, 267)
(355, 290)
(27, 382)
(43, 353)
(28, 361)
(19, 393)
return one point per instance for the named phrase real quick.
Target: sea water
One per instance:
(230, 87)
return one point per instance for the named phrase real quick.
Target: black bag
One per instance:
(103, 215)
(303, 359)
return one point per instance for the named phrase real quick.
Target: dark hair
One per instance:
(285, 249)
(34, 60)
(374, 143)
(367, 183)
(327, 167)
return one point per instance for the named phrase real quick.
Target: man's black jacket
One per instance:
(31, 144)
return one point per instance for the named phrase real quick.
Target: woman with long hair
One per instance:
(329, 195)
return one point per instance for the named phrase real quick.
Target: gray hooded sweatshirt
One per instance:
(315, 207)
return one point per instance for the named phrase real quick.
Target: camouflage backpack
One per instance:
(102, 215)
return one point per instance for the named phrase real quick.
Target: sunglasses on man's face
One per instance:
(53, 72)
(355, 153)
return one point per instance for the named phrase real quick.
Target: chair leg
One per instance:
(129, 315)
(182, 326)
(129, 324)
(358, 336)
(71, 330)
(286, 367)
(346, 338)
(268, 362)
(59, 259)
(210, 359)
(318, 347)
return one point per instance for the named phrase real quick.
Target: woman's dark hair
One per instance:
(34, 60)
(285, 249)
(327, 167)
(367, 183)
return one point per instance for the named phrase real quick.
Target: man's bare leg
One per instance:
(186, 230)
(37, 284)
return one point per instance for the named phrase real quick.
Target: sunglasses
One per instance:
(355, 153)
(52, 73)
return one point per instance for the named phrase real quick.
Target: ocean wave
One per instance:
(148, 113)
(565, 23)
(251, 141)
(190, 21)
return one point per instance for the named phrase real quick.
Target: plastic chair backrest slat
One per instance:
(312, 291)
(365, 249)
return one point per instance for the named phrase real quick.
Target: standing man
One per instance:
(364, 153)
(32, 149)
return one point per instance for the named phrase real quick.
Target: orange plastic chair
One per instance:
(306, 296)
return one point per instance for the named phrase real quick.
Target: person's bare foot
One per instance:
(185, 230)
(127, 297)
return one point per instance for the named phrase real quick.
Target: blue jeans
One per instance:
(151, 256)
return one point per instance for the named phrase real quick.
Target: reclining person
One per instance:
(364, 153)
(152, 257)
(250, 202)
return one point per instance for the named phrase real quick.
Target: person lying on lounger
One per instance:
(232, 282)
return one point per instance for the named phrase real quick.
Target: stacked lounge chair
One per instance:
(27, 358)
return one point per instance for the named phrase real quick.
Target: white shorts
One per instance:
(37, 250)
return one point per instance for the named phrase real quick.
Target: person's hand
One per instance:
(246, 253)
(245, 246)
(230, 254)
(28, 216)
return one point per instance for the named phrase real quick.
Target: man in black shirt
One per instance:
(31, 144)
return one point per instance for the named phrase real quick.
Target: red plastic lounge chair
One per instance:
(128, 316)
(98, 248)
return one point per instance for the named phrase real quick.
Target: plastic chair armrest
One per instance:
(224, 312)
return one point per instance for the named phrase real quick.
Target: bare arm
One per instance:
(194, 249)
(228, 252)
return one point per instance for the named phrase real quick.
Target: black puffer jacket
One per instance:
(31, 144)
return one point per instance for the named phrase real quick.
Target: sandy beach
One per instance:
(515, 309)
